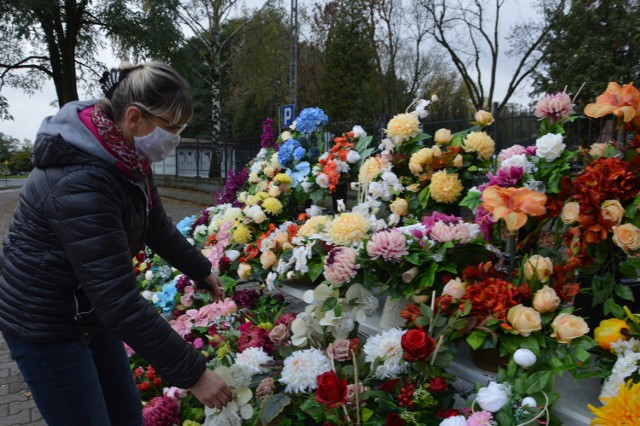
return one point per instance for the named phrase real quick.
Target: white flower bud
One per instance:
(529, 402)
(524, 358)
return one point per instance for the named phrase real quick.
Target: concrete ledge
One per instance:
(194, 183)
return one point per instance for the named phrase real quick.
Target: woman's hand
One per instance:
(211, 390)
(213, 281)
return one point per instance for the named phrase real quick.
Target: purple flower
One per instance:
(268, 138)
(484, 219)
(229, 193)
(504, 178)
(203, 219)
(246, 299)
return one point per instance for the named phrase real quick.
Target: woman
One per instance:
(68, 294)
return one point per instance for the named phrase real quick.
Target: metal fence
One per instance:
(194, 157)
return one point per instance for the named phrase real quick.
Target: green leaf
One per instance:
(611, 307)
(476, 338)
(424, 196)
(228, 283)
(537, 382)
(329, 304)
(272, 406)
(624, 292)
(363, 144)
(315, 270)
(366, 414)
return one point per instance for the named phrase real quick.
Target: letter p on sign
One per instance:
(287, 114)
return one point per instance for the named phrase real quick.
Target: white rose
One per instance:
(253, 177)
(519, 160)
(454, 421)
(233, 255)
(550, 146)
(148, 275)
(352, 156)
(306, 186)
(524, 357)
(358, 132)
(454, 288)
(493, 397)
(322, 180)
(286, 135)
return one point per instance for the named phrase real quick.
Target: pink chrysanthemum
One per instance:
(161, 411)
(340, 265)
(252, 336)
(480, 418)
(510, 152)
(554, 107)
(446, 232)
(391, 245)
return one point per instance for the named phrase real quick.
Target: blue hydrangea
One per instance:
(184, 226)
(299, 173)
(289, 151)
(310, 119)
(165, 299)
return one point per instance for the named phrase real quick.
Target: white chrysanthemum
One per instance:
(253, 359)
(241, 376)
(387, 348)
(621, 346)
(302, 368)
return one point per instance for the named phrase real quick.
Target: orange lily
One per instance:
(513, 205)
(623, 101)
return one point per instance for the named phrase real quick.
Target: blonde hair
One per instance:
(155, 85)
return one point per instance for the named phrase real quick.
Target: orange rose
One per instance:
(513, 205)
(268, 259)
(612, 211)
(570, 212)
(627, 237)
(610, 331)
(546, 300)
(567, 327)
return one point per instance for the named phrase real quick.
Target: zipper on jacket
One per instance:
(78, 315)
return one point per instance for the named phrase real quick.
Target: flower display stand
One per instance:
(571, 409)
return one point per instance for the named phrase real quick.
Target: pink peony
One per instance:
(340, 265)
(391, 245)
(443, 232)
(555, 107)
(480, 418)
(510, 152)
(161, 411)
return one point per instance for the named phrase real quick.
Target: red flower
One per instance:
(445, 414)
(417, 345)
(393, 419)
(438, 384)
(354, 345)
(332, 390)
(225, 264)
(389, 385)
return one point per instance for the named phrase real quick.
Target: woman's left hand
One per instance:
(217, 291)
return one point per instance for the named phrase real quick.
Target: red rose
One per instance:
(389, 385)
(445, 414)
(393, 419)
(437, 384)
(332, 390)
(354, 345)
(417, 345)
(224, 265)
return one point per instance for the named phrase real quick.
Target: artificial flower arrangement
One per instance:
(619, 359)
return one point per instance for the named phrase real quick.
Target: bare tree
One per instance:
(205, 19)
(470, 32)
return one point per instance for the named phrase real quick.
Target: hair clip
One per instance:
(110, 80)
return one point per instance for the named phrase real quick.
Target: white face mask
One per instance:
(157, 145)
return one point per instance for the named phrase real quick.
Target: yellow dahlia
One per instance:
(372, 168)
(620, 410)
(481, 143)
(242, 234)
(403, 127)
(314, 225)
(283, 178)
(271, 205)
(348, 228)
(445, 187)
(263, 195)
(419, 160)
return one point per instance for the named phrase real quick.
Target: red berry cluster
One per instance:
(405, 399)
(140, 257)
(147, 380)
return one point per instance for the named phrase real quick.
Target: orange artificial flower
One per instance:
(513, 205)
(622, 101)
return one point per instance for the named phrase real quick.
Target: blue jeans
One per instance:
(83, 382)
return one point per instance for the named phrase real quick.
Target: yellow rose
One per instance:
(268, 259)
(627, 237)
(403, 127)
(415, 187)
(274, 191)
(597, 149)
(244, 271)
(419, 160)
(399, 206)
(570, 213)
(437, 152)
(610, 331)
(480, 143)
(445, 187)
(269, 171)
(442, 136)
(524, 319)
(546, 300)
(538, 267)
(483, 118)
(458, 161)
(612, 211)
(253, 177)
(567, 327)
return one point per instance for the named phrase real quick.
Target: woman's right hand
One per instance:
(211, 390)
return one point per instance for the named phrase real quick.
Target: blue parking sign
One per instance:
(287, 115)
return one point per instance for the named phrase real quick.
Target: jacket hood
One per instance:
(64, 140)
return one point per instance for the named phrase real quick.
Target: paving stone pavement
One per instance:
(16, 404)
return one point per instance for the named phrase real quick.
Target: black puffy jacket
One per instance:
(79, 222)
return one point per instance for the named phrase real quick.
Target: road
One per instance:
(12, 182)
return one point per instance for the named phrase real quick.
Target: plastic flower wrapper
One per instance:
(238, 379)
